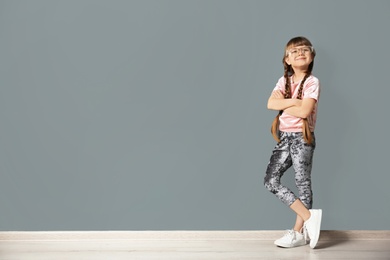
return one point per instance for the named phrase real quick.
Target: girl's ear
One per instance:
(287, 60)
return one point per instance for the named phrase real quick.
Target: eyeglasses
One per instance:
(295, 51)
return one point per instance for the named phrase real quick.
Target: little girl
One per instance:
(296, 97)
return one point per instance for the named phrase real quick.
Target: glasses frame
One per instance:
(299, 50)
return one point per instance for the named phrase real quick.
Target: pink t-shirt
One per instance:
(311, 89)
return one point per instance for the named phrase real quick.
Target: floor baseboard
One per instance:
(184, 235)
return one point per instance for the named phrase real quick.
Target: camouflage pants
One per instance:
(291, 151)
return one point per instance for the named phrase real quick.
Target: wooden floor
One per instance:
(188, 245)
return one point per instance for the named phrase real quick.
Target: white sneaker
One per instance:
(291, 239)
(313, 226)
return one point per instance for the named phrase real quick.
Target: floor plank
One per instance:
(189, 250)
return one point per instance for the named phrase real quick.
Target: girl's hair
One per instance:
(288, 72)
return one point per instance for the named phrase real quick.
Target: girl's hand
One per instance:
(277, 94)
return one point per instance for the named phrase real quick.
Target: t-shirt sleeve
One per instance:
(280, 85)
(312, 90)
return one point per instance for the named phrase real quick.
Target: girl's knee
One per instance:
(271, 184)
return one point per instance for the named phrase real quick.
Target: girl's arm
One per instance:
(303, 110)
(277, 101)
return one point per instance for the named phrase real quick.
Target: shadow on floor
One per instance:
(330, 238)
(329, 243)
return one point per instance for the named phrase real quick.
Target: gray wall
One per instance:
(151, 115)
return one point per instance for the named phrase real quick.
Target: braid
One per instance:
(301, 86)
(305, 124)
(287, 88)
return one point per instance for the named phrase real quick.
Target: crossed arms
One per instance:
(292, 106)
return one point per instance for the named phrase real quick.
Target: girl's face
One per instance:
(299, 56)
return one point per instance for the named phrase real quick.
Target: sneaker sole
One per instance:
(314, 240)
(288, 245)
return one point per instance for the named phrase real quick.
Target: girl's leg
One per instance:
(298, 224)
(280, 161)
(301, 210)
(302, 158)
